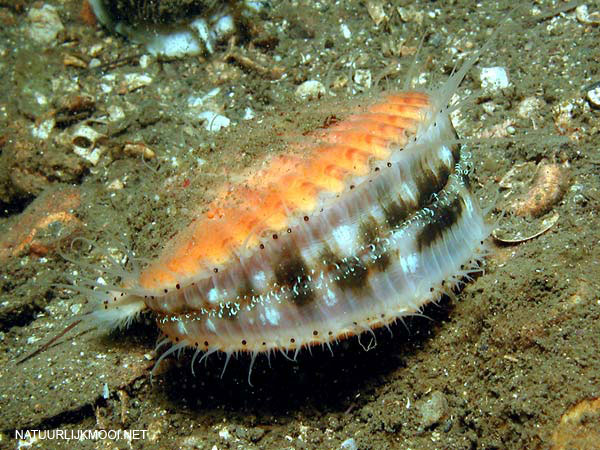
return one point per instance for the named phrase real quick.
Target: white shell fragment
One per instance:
(195, 101)
(349, 444)
(201, 28)
(345, 31)
(115, 113)
(173, 45)
(84, 141)
(138, 149)
(223, 28)
(363, 78)
(214, 122)
(43, 130)
(530, 107)
(494, 78)
(376, 11)
(310, 89)
(411, 14)
(45, 25)
(584, 16)
(248, 113)
(135, 81)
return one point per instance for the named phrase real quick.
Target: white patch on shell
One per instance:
(330, 298)
(410, 263)
(409, 192)
(213, 296)
(346, 237)
(446, 155)
(210, 326)
(469, 205)
(259, 280)
(272, 315)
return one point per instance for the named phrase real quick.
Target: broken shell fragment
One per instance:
(376, 11)
(494, 78)
(138, 149)
(309, 90)
(578, 426)
(593, 95)
(538, 195)
(46, 223)
(504, 237)
(548, 187)
(85, 142)
(585, 17)
(74, 61)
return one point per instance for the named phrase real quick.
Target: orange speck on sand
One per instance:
(261, 205)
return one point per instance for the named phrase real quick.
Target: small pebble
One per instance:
(224, 433)
(138, 149)
(94, 62)
(195, 101)
(115, 185)
(363, 78)
(32, 339)
(115, 113)
(593, 95)
(145, 61)
(578, 197)
(349, 444)
(311, 89)
(580, 200)
(74, 61)
(224, 28)
(433, 409)
(489, 107)
(345, 31)
(248, 113)
(96, 50)
(530, 107)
